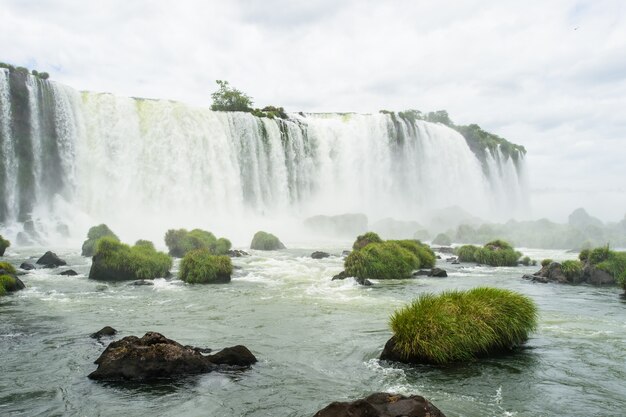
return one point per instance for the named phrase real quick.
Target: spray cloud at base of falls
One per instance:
(70, 160)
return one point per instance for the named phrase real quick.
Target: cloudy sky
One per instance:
(550, 75)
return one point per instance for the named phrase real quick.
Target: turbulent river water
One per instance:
(317, 341)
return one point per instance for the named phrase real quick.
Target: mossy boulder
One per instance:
(200, 266)
(4, 244)
(181, 241)
(116, 261)
(457, 326)
(9, 282)
(265, 241)
(93, 235)
(442, 239)
(365, 239)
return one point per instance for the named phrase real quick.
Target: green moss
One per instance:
(572, 269)
(462, 325)
(424, 253)
(93, 235)
(7, 283)
(265, 241)
(584, 254)
(180, 241)
(200, 266)
(7, 267)
(546, 262)
(114, 260)
(4, 244)
(384, 260)
(466, 253)
(365, 239)
(442, 239)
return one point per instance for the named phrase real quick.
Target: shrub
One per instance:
(93, 235)
(384, 260)
(200, 266)
(442, 239)
(546, 262)
(572, 269)
(584, 255)
(146, 243)
(497, 257)
(7, 283)
(4, 244)
(227, 98)
(466, 253)
(265, 241)
(424, 253)
(180, 241)
(7, 267)
(116, 261)
(365, 239)
(498, 245)
(599, 255)
(525, 261)
(462, 325)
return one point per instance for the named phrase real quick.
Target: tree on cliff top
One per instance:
(228, 98)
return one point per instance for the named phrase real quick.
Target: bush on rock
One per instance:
(266, 241)
(4, 244)
(116, 261)
(181, 241)
(460, 325)
(93, 235)
(200, 266)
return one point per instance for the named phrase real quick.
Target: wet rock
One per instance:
(382, 404)
(421, 273)
(438, 273)
(69, 272)
(27, 266)
(451, 259)
(341, 275)
(236, 253)
(142, 282)
(345, 253)
(319, 255)
(364, 281)
(595, 276)
(51, 260)
(17, 286)
(456, 262)
(154, 357)
(445, 249)
(105, 331)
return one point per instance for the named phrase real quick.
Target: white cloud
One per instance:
(548, 75)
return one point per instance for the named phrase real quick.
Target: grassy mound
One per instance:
(384, 260)
(7, 267)
(494, 253)
(200, 266)
(442, 239)
(572, 269)
(462, 325)
(93, 235)
(181, 241)
(4, 244)
(466, 253)
(365, 239)
(424, 253)
(265, 241)
(7, 283)
(116, 261)
(607, 260)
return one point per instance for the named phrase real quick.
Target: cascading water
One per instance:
(70, 160)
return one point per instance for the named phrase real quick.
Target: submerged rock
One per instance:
(154, 356)
(51, 260)
(69, 272)
(438, 273)
(320, 255)
(237, 253)
(382, 404)
(141, 282)
(27, 266)
(105, 331)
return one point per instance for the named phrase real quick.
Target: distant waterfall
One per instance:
(70, 159)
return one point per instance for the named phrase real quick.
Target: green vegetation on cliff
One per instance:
(25, 71)
(228, 98)
(200, 266)
(462, 325)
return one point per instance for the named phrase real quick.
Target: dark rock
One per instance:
(51, 260)
(438, 256)
(142, 282)
(345, 253)
(364, 281)
(27, 266)
(389, 353)
(382, 404)
(341, 275)
(238, 356)
(422, 273)
(595, 276)
(69, 272)
(444, 249)
(236, 253)
(319, 255)
(438, 273)
(456, 262)
(105, 331)
(451, 259)
(154, 356)
(535, 278)
(19, 285)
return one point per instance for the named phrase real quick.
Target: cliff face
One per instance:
(67, 154)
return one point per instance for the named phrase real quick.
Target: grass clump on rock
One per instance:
(572, 269)
(200, 266)
(7, 267)
(4, 244)
(116, 261)
(265, 241)
(384, 260)
(460, 325)
(365, 239)
(497, 253)
(424, 253)
(466, 253)
(181, 241)
(93, 235)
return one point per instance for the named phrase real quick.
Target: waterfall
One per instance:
(73, 159)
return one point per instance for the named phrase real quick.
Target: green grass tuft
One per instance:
(466, 253)
(546, 262)
(384, 260)
(462, 325)
(181, 241)
(93, 235)
(365, 239)
(200, 266)
(7, 283)
(572, 269)
(424, 253)
(7, 267)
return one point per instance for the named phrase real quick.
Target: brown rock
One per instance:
(382, 405)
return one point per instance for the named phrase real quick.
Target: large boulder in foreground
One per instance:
(51, 260)
(154, 356)
(382, 404)
(265, 241)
